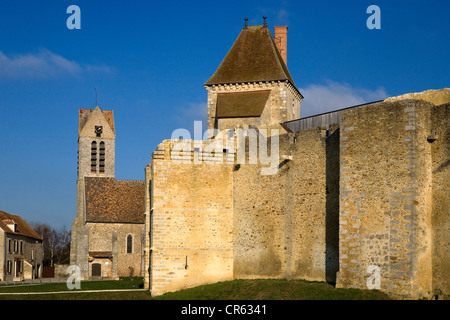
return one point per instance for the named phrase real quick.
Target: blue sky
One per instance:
(149, 60)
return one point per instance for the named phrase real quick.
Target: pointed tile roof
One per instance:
(254, 57)
(85, 114)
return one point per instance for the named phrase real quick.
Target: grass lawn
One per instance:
(230, 290)
(272, 290)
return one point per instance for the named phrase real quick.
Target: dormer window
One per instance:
(11, 224)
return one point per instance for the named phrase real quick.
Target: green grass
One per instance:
(230, 290)
(272, 290)
(123, 283)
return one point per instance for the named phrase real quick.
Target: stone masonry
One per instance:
(359, 197)
(369, 192)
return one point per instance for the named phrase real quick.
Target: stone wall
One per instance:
(84, 157)
(112, 237)
(227, 221)
(440, 149)
(148, 226)
(2, 255)
(191, 222)
(280, 220)
(79, 245)
(368, 194)
(107, 237)
(385, 189)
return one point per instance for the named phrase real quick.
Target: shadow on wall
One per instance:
(332, 207)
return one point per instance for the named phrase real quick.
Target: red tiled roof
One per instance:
(114, 201)
(22, 228)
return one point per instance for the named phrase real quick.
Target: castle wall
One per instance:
(441, 199)
(385, 197)
(228, 221)
(280, 220)
(364, 197)
(191, 222)
(292, 102)
(148, 227)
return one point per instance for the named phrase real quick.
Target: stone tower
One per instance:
(96, 158)
(108, 230)
(252, 86)
(96, 144)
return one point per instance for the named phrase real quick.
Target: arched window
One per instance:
(102, 157)
(94, 157)
(129, 243)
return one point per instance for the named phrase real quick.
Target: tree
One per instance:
(56, 243)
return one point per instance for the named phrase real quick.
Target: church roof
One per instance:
(22, 228)
(84, 115)
(114, 201)
(254, 57)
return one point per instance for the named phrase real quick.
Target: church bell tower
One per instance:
(96, 144)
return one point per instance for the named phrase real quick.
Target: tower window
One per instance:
(102, 157)
(94, 157)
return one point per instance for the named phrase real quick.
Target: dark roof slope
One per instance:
(22, 228)
(114, 201)
(241, 104)
(253, 57)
